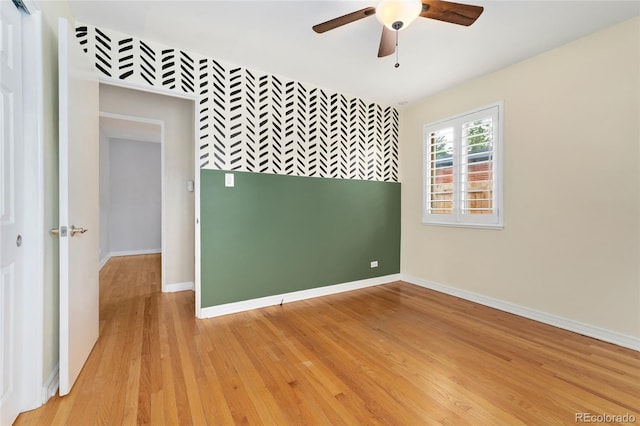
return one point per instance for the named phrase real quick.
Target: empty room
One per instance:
(320, 212)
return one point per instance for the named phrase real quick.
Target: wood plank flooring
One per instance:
(394, 354)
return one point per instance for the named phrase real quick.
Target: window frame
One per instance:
(457, 218)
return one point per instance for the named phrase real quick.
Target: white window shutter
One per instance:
(463, 170)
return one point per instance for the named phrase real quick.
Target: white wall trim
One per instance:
(605, 335)
(196, 125)
(135, 118)
(196, 220)
(246, 305)
(34, 221)
(114, 81)
(135, 252)
(172, 288)
(51, 385)
(103, 261)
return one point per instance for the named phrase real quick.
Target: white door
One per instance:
(79, 226)
(12, 257)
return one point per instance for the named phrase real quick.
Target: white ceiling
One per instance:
(276, 37)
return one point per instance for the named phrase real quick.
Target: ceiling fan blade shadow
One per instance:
(455, 13)
(343, 20)
(387, 43)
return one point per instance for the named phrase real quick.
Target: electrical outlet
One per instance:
(374, 263)
(229, 181)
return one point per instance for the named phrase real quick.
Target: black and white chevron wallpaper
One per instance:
(256, 122)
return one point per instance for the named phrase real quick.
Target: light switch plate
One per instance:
(229, 180)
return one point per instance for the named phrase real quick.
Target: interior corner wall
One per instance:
(571, 239)
(178, 117)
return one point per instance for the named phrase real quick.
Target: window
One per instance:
(463, 169)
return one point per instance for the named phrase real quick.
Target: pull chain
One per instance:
(397, 61)
(396, 26)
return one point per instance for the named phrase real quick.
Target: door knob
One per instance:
(73, 230)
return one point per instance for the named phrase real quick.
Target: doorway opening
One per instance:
(152, 119)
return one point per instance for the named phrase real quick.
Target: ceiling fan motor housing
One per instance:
(398, 14)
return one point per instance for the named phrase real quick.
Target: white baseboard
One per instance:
(246, 305)
(616, 338)
(173, 287)
(51, 385)
(134, 252)
(104, 261)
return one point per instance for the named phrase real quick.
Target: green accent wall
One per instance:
(274, 234)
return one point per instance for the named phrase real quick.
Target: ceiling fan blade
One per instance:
(387, 43)
(345, 19)
(456, 13)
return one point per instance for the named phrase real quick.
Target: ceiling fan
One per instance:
(396, 15)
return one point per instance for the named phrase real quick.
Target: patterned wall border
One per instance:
(256, 122)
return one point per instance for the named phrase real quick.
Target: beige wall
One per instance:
(178, 117)
(571, 241)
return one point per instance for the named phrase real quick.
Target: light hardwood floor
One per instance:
(393, 354)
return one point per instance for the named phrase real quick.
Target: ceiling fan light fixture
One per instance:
(396, 15)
